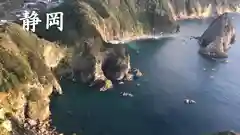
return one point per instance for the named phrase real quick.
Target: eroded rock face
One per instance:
(88, 25)
(218, 38)
(91, 52)
(87, 63)
(25, 73)
(96, 65)
(117, 19)
(182, 9)
(116, 64)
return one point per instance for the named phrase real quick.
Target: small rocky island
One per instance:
(31, 64)
(218, 38)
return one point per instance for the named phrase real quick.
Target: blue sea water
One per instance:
(173, 70)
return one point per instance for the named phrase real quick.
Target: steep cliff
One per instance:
(28, 63)
(26, 80)
(116, 19)
(121, 19)
(182, 9)
(89, 25)
(218, 38)
(89, 52)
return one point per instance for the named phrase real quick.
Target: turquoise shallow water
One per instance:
(173, 70)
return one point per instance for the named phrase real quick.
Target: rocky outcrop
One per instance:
(116, 64)
(122, 19)
(10, 125)
(27, 80)
(28, 63)
(92, 58)
(218, 37)
(117, 19)
(89, 52)
(182, 9)
(97, 22)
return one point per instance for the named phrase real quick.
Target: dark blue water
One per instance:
(173, 70)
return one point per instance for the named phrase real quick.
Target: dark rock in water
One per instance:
(136, 73)
(178, 28)
(218, 38)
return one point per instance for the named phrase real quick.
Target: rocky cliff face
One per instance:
(218, 38)
(97, 22)
(182, 9)
(26, 80)
(121, 19)
(28, 63)
(117, 19)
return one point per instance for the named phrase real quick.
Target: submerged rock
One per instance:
(136, 73)
(218, 38)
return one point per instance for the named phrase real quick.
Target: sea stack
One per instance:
(218, 38)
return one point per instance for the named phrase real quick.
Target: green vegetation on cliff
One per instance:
(27, 62)
(113, 19)
(89, 25)
(26, 81)
(21, 58)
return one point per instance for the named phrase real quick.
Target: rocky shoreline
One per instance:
(41, 128)
(10, 125)
(30, 63)
(32, 127)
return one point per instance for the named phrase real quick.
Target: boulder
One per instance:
(136, 73)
